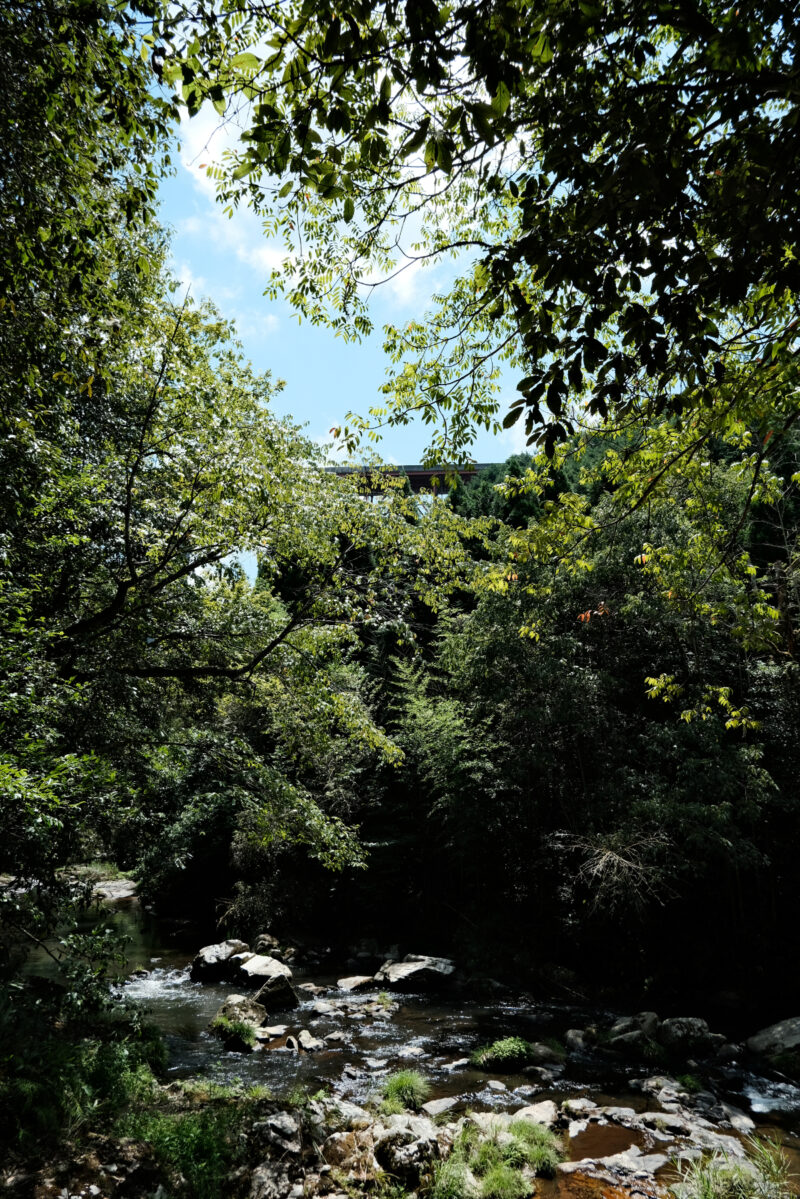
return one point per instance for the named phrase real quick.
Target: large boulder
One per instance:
(212, 963)
(688, 1034)
(782, 1037)
(406, 1146)
(273, 978)
(416, 972)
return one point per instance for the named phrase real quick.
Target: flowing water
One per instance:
(433, 1035)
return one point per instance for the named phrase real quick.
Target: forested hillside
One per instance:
(544, 723)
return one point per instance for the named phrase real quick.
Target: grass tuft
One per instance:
(510, 1053)
(406, 1090)
(765, 1175)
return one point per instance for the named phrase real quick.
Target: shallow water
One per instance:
(428, 1033)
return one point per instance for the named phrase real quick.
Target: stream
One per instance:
(432, 1034)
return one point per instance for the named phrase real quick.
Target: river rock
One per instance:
(580, 1106)
(240, 1007)
(687, 1033)
(212, 962)
(416, 972)
(356, 982)
(437, 1107)
(777, 1038)
(352, 1152)
(545, 1113)
(406, 1146)
(338, 1115)
(323, 1008)
(265, 942)
(282, 1130)
(308, 1042)
(275, 979)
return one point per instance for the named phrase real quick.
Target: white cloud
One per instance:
(256, 326)
(204, 139)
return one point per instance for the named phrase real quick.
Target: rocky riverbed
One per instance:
(630, 1098)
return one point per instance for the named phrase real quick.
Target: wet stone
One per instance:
(437, 1107)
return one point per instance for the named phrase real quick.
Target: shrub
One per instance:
(403, 1091)
(201, 1146)
(61, 1084)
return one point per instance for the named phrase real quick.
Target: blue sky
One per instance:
(229, 260)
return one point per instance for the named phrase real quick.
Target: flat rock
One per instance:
(459, 1064)
(259, 967)
(545, 1113)
(494, 1084)
(416, 971)
(578, 1106)
(339, 1114)
(356, 982)
(115, 889)
(436, 1107)
(619, 1115)
(323, 1008)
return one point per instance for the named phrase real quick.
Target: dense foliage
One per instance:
(556, 714)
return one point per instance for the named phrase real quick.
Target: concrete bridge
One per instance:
(428, 478)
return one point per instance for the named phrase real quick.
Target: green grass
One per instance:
(62, 1087)
(496, 1161)
(504, 1182)
(765, 1176)
(690, 1083)
(508, 1054)
(231, 1031)
(405, 1091)
(540, 1145)
(201, 1146)
(450, 1180)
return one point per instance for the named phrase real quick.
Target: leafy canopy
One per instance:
(617, 181)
